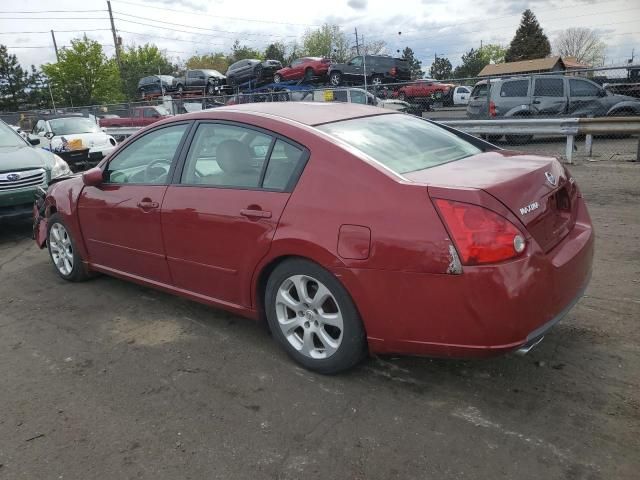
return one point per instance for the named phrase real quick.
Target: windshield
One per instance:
(69, 126)
(9, 138)
(403, 143)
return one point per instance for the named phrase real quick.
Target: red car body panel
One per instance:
(379, 233)
(319, 66)
(421, 89)
(138, 119)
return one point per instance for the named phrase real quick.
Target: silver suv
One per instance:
(546, 96)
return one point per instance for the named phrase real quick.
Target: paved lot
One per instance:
(107, 380)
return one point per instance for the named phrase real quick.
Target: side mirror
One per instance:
(92, 177)
(602, 93)
(34, 140)
(49, 135)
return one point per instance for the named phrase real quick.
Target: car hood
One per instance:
(88, 139)
(24, 158)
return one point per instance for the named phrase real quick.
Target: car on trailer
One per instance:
(252, 70)
(377, 69)
(207, 81)
(306, 68)
(156, 85)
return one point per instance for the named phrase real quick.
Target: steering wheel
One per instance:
(148, 175)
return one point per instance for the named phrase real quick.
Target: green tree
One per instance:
(529, 41)
(142, 61)
(472, 62)
(493, 53)
(38, 91)
(440, 68)
(275, 51)
(242, 52)
(216, 61)
(415, 65)
(84, 75)
(294, 51)
(327, 41)
(13, 81)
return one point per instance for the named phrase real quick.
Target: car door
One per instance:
(513, 98)
(245, 71)
(297, 70)
(461, 96)
(549, 99)
(585, 99)
(354, 70)
(120, 219)
(221, 213)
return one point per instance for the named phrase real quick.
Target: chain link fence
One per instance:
(595, 93)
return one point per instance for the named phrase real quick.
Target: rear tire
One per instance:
(277, 78)
(376, 80)
(312, 316)
(258, 71)
(180, 89)
(63, 251)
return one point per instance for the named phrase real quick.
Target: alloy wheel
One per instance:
(376, 81)
(309, 316)
(61, 249)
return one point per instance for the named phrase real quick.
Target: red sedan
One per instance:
(307, 68)
(348, 228)
(421, 89)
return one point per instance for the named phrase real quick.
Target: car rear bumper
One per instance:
(485, 311)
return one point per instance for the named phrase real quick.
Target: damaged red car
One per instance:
(349, 229)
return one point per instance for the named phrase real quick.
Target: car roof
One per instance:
(307, 113)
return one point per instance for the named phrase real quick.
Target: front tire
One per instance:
(313, 317)
(277, 78)
(335, 78)
(63, 252)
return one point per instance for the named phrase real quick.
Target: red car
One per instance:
(141, 117)
(307, 68)
(421, 89)
(348, 228)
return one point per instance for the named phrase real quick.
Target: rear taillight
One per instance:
(481, 235)
(393, 72)
(492, 109)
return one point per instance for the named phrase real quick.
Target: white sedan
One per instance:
(64, 130)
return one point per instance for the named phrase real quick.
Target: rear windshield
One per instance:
(480, 90)
(402, 143)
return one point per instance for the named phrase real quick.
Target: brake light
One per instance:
(481, 235)
(492, 109)
(393, 72)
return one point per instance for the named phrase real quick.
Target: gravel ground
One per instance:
(108, 380)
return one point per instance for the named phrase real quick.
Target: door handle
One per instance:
(148, 205)
(252, 213)
(536, 102)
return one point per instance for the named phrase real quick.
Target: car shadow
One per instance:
(15, 230)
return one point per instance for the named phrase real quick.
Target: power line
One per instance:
(170, 38)
(52, 11)
(57, 31)
(195, 27)
(200, 14)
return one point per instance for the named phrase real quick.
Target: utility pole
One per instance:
(55, 46)
(357, 44)
(115, 38)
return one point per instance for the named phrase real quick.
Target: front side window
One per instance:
(582, 88)
(402, 143)
(549, 87)
(358, 97)
(226, 156)
(147, 159)
(356, 62)
(72, 125)
(463, 90)
(516, 88)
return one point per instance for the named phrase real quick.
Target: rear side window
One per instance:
(582, 88)
(285, 163)
(402, 143)
(480, 90)
(516, 88)
(549, 87)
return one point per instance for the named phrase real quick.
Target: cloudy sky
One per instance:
(429, 27)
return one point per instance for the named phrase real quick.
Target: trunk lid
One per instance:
(534, 188)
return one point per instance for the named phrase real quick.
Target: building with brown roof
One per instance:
(538, 65)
